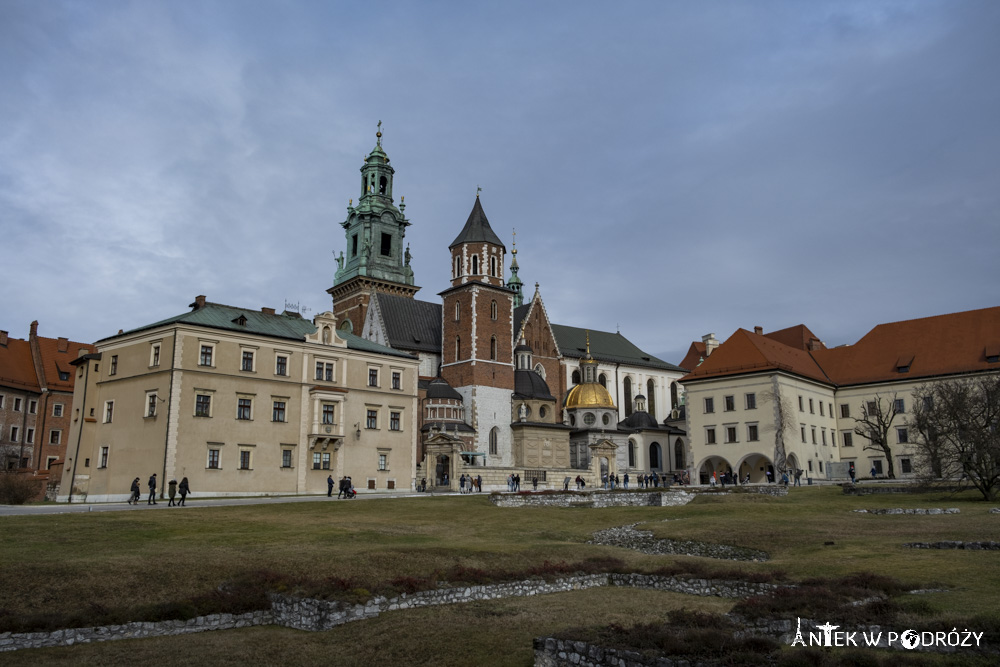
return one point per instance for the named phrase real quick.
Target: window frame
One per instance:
(371, 419)
(206, 351)
(750, 400)
(109, 411)
(281, 365)
(279, 414)
(248, 360)
(244, 408)
(395, 420)
(709, 405)
(197, 404)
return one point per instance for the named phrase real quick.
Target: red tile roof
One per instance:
(56, 355)
(694, 356)
(932, 346)
(16, 369)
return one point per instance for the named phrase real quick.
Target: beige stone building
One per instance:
(241, 402)
(759, 396)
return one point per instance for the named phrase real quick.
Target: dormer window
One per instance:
(240, 321)
(992, 354)
(903, 363)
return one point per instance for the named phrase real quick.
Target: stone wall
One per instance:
(910, 510)
(319, 615)
(594, 499)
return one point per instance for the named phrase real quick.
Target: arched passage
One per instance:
(713, 464)
(679, 454)
(757, 466)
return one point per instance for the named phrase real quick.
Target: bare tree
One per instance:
(958, 423)
(782, 421)
(874, 425)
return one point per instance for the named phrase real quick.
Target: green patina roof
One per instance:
(287, 325)
(605, 346)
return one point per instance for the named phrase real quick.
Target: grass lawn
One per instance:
(82, 563)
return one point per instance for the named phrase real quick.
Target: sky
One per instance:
(671, 168)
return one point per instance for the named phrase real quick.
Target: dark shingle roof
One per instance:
(286, 325)
(604, 346)
(477, 229)
(411, 324)
(529, 384)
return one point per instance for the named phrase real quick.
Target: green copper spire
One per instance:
(515, 283)
(375, 228)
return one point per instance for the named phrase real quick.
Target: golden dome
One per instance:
(589, 395)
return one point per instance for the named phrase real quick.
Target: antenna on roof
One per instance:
(297, 307)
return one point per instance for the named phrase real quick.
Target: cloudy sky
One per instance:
(671, 168)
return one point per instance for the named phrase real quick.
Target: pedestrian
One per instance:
(784, 479)
(852, 473)
(517, 482)
(479, 483)
(798, 477)
(133, 499)
(351, 493)
(329, 486)
(172, 492)
(183, 488)
(769, 475)
(874, 473)
(342, 487)
(626, 481)
(712, 481)
(534, 483)
(152, 490)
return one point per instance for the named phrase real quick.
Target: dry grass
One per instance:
(124, 562)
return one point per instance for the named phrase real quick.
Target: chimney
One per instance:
(759, 331)
(199, 302)
(267, 311)
(34, 329)
(710, 343)
(63, 344)
(3, 338)
(815, 344)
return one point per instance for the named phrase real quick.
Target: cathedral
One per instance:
(503, 390)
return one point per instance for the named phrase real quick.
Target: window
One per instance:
(104, 457)
(730, 403)
(372, 377)
(328, 414)
(900, 406)
(812, 431)
(326, 460)
(316, 461)
(243, 407)
(493, 310)
(324, 371)
(802, 430)
(493, 348)
(55, 436)
(202, 405)
(29, 436)
(821, 409)
(17, 404)
(475, 265)
(811, 406)
(245, 459)
(810, 466)
(57, 410)
(709, 405)
(109, 411)
(394, 421)
(831, 408)
(872, 408)
(751, 401)
(458, 311)
(278, 411)
(247, 361)
(877, 467)
(1, 401)
(281, 365)
(15, 432)
(386, 249)
(114, 365)
(32, 407)
(800, 405)
(383, 461)
(286, 458)
(151, 400)
(589, 419)
(154, 354)
(848, 439)
(902, 435)
(493, 267)
(458, 347)
(206, 355)
(730, 434)
(49, 460)
(371, 419)
(710, 436)
(493, 441)
(752, 432)
(822, 434)
(397, 380)
(821, 466)
(845, 411)
(905, 467)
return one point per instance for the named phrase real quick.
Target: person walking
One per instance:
(172, 492)
(135, 491)
(152, 490)
(798, 477)
(626, 481)
(183, 488)
(329, 487)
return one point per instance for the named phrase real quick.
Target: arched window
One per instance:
(458, 347)
(673, 396)
(493, 309)
(493, 348)
(493, 266)
(628, 396)
(576, 377)
(458, 267)
(603, 379)
(631, 453)
(679, 454)
(540, 370)
(655, 460)
(650, 399)
(383, 185)
(494, 434)
(458, 311)
(475, 265)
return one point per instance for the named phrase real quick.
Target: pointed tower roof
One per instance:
(515, 283)
(477, 229)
